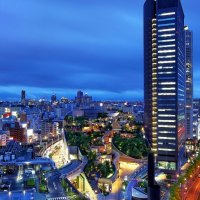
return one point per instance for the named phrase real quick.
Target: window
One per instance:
(167, 14)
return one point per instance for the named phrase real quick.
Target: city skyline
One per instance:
(72, 50)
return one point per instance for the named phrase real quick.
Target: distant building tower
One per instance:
(83, 99)
(23, 117)
(79, 94)
(189, 82)
(53, 98)
(23, 97)
(79, 98)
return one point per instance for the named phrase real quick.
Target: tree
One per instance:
(102, 115)
(68, 119)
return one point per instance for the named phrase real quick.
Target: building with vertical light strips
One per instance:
(189, 81)
(164, 81)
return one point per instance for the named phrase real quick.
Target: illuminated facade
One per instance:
(189, 82)
(164, 81)
(149, 40)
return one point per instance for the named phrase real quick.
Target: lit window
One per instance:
(170, 40)
(166, 51)
(166, 72)
(166, 14)
(166, 19)
(167, 138)
(164, 62)
(166, 30)
(168, 88)
(161, 67)
(166, 35)
(165, 110)
(168, 24)
(171, 56)
(167, 121)
(167, 83)
(166, 94)
(163, 149)
(164, 115)
(166, 126)
(165, 46)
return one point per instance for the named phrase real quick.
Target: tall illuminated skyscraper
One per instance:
(164, 81)
(189, 81)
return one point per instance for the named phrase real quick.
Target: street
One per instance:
(54, 185)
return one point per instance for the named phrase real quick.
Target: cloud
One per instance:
(69, 45)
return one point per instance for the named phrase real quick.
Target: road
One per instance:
(53, 179)
(54, 185)
(194, 192)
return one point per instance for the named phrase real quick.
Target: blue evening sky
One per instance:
(62, 46)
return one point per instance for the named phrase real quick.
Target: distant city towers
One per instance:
(53, 98)
(23, 97)
(82, 99)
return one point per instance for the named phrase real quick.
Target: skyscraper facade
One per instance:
(164, 81)
(149, 67)
(189, 81)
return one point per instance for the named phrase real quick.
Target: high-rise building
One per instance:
(82, 99)
(164, 81)
(196, 118)
(23, 96)
(79, 94)
(189, 82)
(53, 98)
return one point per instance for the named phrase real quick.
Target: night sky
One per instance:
(61, 46)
